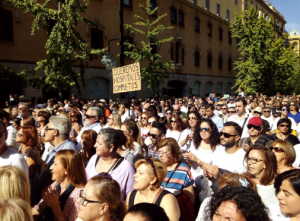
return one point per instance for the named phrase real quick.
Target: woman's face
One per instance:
(205, 134)
(228, 211)
(289, 200)
(284, 128)
(122, 109)
(169, 114)
(100, 145)
(144, 119)
(40, 119)
(87, 143)
(192, 120)
(174, 123)
(280, 155)
(165, 156)
(152, 120)
(258, 167)
(202, 110)
(91, 210)
(59, 173)
(142, 177)
(125, 130)
(20, 138)
(110, 120)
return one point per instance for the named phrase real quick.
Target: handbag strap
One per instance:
(244, 124)
(172, 174)
(157, 195)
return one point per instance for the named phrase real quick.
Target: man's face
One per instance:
(162, 103)
(231, 112)
(219, 107)
(285, 101)
(270, 104)
(239, 108)
(251, 98)
(284, 111)
(49, 133)
(261, 105)
(210, 102)
(3, 137)
(277, 106)
(292, 106)
(226, 140)
(231, 101)
(209, 112)
(22, 111)
(267, 113)
(156, 135)
(14, 112)
(90, 118)
(180, 103)
(224, 109)
(177, 109)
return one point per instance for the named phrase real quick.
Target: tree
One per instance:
(265, 64)
(65, 46)
(156, 71)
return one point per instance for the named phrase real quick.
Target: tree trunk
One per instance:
(60, 94)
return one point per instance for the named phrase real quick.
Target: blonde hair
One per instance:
(289, 150)
(117, 119)
(108, 191)
(14, 183)
(160, 168)
(15, 209)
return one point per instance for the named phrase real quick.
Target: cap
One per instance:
(161, 115)
(102, 101)
(231, 98)
(22, 97)
(220, 103)
(258, 109)
(256, 121)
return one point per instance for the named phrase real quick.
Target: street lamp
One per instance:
(108, 59)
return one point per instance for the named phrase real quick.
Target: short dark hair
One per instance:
(237, 127)
(207, 106)
(5, 115)
(149, 212)
(293, 176)
(110, 136)
(241, 100)
(285, 120)
(137, 102)
(160, 127)
(247, 201)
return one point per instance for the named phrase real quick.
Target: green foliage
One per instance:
(156, 71)
(65, 46)
(264, 65)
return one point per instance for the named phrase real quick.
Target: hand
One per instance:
(190, 156)
(189, 138)
(246, 147)
(212, 171)
(33, 153)
(51, 197)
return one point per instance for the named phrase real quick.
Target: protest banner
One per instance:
(127, 78)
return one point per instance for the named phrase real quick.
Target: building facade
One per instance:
(294, 40)
(202, 47)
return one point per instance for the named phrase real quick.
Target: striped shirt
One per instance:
(181, 179)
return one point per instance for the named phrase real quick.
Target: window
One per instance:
(128, 39)
(173, 15)
(235, 1)
(208, 88)
(209, 60)
(6, 25)
(229, 64)
(209, 29)
(197, 24)
(207, 4)
(228, 15)
(181, 18)
(220, 62)
(153, 6)
(229, 37)
(182, 57)
(197, 58)
(127, 3)
(96, 38)
(220, 34)
(172, 53)
(218, 9)
(177, 51)
(219, 89)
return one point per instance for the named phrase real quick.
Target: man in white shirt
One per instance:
(231, 102)
(11, 130)
(241, 116)
(9, 156)
(268, 116)
(91, 122)
(182, 107)
(230, 156)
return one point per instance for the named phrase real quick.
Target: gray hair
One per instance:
(26, 105)
(98, 112)
(110, 136)
(62, 124)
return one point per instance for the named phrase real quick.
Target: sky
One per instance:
(290, 10)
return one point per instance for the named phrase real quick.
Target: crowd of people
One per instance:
(161, 158)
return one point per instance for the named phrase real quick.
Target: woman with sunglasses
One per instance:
(262, 165)
(145, 127)
(60, 199)
(101, 200)
(187, 135)
(285, 155)
(284, 132)
(175, 128)
(114, 121)
(148, 178)
(294, 111)
(256, 138)
(169, 113)
(287, 185)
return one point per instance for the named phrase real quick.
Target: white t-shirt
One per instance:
(231, 162)
(267, 194)
(183, 109)
(126, 116)
(269, 119)
(183, 136)
(174, 134)
(294, 126)
(201, 213)
(231, 105)
(11, 138)
(13, 158)
(297, 160)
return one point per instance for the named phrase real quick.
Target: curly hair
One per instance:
(248, 203)
(214, 134)
(180, 124)
(197, 115)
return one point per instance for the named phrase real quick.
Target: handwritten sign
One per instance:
(127, 78)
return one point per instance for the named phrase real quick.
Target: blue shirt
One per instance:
(218, 122)
(296, 117)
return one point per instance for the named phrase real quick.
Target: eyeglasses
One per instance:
(163, 153)
(226, 135)
(169, 113)
(192, 118)
(177, 110)
(255, 112)
(224, 108)
(148, 160)
(253, 160)
(85, 201)
(18, 134)
(151, 122)
(154, 136)
(205, 128)
(284, 109)
(48, 128)
(84, 109)
(1, 134)
(277, 149)
(88, 116)
(173, 121)
(292, 105)
(267, 111)
(231, 112)
(249, 126)
(284, 125)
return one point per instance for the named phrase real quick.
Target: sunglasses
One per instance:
(151, 122)
(173, 121)
(267, 111)
(205, 128)
(192, 118)
(169, 113)
(148, 160)
(144, 118)
(226, 135)
(154, 136)
(255, 112)
(284, 125)
(224, 108)
(284, 109)
(249, 126)
(177, 110)
(88, 116)
(292, 105)
(277, 149)
(231, 112)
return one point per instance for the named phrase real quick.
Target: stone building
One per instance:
(294, 40)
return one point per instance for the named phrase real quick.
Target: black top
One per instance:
(158, 201)
(291, 138)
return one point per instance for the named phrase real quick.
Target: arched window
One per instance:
(6, 25)
(208, 88)
(197, 88)
(209, 60)
(228, 88)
